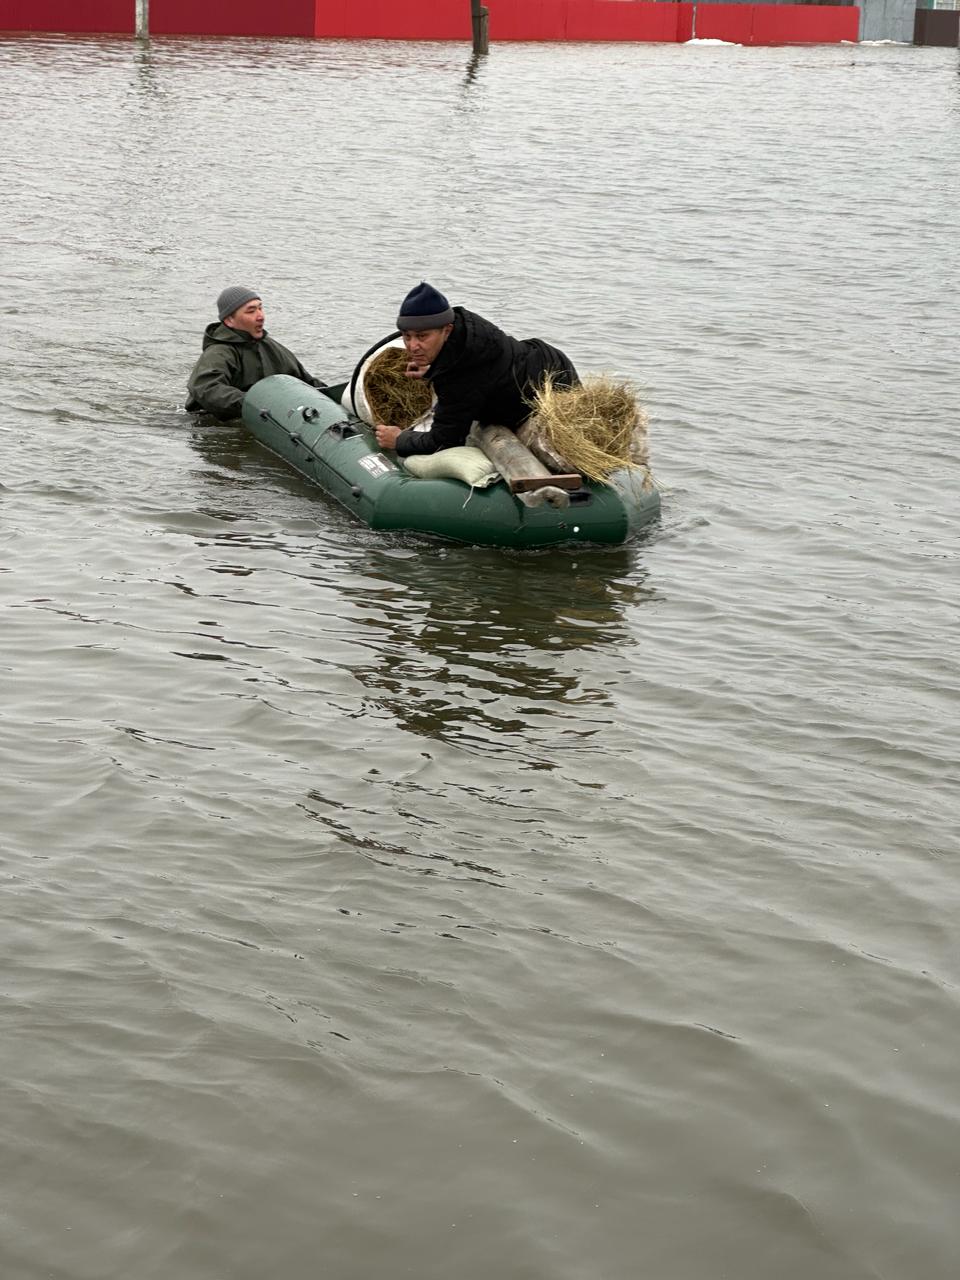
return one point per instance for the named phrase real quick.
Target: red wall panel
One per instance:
(620, 20)
(230, 17)
(329, 18)
(733, 22)
(804, 24)
(111, 17)
(390, 20)
(535, 20)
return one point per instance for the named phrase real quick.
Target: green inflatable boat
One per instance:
(311, 431)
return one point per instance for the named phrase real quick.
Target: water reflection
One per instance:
(224, 445)
(482, 645)
(473, 67)
(146, 81)
(237, 464)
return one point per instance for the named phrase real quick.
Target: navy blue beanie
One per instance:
(424, 308)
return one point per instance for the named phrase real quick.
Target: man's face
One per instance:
(248, 318)
(423, 345)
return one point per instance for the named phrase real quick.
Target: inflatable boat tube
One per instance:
(309, 429)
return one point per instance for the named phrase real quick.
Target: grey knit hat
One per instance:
(233, 297)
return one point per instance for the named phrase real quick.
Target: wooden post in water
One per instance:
(142, 21)
(480, 19)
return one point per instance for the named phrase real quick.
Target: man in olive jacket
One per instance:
(237, 352)
(479, 373)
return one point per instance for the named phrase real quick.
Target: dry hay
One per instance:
(392, 396)
(598, 427)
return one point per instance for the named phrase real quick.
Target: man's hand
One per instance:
(415, 370)
(386, 435)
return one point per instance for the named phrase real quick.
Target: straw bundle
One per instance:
(392, 396)
(598, 427)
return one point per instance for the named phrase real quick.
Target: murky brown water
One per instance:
(377, 908)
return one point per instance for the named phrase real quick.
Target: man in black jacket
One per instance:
(479, 373)
(237, 352)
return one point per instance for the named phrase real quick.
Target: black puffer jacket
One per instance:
(231, 363)
(483, 375)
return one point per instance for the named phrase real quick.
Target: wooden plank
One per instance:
(523, 484)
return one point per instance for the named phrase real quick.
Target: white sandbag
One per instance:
(462, 462)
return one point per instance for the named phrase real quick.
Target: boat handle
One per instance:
(343, 429)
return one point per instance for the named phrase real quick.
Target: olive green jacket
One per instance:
(231, 363)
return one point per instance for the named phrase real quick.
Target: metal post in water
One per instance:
(142, 21)
(480, 20)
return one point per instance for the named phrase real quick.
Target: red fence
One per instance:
(588, 20)
(75, 16)
(231, 17)
(640, 20)
(777, 23)
(394, 20)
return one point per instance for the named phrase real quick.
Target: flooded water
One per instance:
(373, 907)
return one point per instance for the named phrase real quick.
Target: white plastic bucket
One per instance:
(353, 399)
